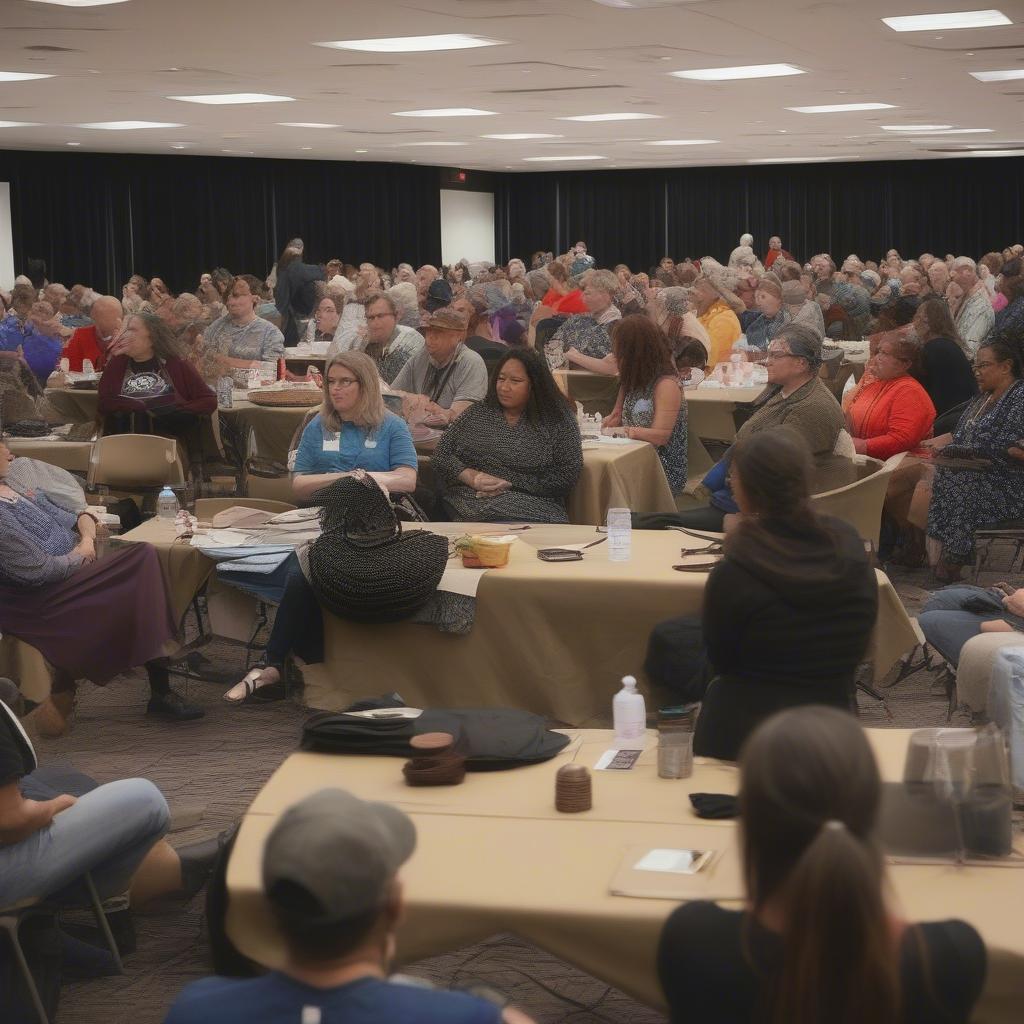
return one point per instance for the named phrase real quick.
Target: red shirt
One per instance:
(566, 305)
(85, 344)
(773, 255)
(891, 415)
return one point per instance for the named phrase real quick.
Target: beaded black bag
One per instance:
(363, 567)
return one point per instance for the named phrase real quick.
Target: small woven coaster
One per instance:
(572, 789)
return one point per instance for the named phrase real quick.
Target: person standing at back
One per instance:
(817, 942)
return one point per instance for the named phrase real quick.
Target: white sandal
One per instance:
(250, 685)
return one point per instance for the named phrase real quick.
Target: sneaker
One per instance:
(173, 707)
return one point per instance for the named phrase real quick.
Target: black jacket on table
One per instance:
(783, 626)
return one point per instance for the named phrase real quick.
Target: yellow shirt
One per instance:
(723, 327)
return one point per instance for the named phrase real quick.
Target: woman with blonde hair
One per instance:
(353, 434)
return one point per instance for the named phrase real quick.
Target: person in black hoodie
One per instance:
(296, 293)
(788, 611)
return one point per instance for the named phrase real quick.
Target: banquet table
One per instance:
(596, 392)
(70, 455)
(272, 427)
(471, 876)
(709, 414)
(75, 405)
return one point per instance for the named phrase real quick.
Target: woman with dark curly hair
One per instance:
(517, 454)
(650, 405)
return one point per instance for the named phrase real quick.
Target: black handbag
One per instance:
(363, 567)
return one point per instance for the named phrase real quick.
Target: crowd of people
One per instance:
(472, 351)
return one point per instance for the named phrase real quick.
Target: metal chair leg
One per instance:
(102, 923)
(10, 924)
(261, 621)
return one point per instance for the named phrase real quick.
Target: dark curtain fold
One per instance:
(526, 216)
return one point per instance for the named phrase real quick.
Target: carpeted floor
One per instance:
(213, 768)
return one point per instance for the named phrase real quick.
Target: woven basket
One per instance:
(302, 398)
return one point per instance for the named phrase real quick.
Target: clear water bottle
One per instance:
(87, 367)
(629, 714)
(620, 534)
(167, 504)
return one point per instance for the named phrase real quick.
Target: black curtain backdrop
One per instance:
(97, 218)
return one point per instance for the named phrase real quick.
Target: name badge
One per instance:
(332, 443)
(369, 443)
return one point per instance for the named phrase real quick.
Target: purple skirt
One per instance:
(108, 617)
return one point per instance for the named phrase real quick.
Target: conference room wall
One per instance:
(967, 206)
(97, 218)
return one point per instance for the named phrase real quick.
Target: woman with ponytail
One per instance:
(817, 942)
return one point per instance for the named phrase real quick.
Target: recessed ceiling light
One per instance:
(305, 124)
(80, 3)
(915, 127)
(798, 159)
(179, 145)
(998, 76)
(635, 116)
(733, 74)
(217, 99)
(72, 143)
(20, 124)
(126, 126)
(959, 131)
(362, 151)
(20, 76)
(433, 143)
(558, 159)
(521, 136)
(305, 147)
(682, 142)
(239, 152)
(994, 152)
(446, 112)
(841, 108)
(414, 44)
(954, 19)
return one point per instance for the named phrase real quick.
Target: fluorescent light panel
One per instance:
(682, 142)
(224, 98)
(960, 131)
(80, 3)
(998, 76)
(841, 108)
(20, 124)
(952, 20)
(559, 159)
(994, 152)
(915, 127)
(433, 144)
(413, 44)
(20, 76)
(306, 124)
(446, 112)
(522, 136)
(798, 159)
(737, 73)
(125, 126)
(611, 117)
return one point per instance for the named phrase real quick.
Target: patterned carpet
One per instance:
(213, 768)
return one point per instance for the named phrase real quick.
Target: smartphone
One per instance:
(675, 862)
(559, 555)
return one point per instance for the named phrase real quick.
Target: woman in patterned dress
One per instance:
(516, 455)
(992, 428)
(650, 405)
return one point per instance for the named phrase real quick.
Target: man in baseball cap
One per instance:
(330, 875)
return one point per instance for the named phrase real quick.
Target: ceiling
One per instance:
(566, 58)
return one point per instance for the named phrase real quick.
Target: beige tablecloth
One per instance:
(619, 476)
(272, 427)
(551, 637)
(70, 455)
(709, 414)
(73, 405)
(469, 877)
(596, 392)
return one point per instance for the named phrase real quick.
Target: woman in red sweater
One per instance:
(150, 388)
(892, 413)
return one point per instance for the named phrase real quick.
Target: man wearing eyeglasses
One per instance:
(388, 343)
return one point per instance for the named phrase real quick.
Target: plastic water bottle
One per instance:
(167, 504)
(629, 713)
(87, 367)
(620, 534)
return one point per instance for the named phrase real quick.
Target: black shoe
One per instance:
(122, 927)
(198, 860)
(173, 707)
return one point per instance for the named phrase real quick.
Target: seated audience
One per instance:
(893, 413)
(296, 293)
(788, 611)
(773, 315)
(650, 405)
(42, 348)
(516, 455)
(485, 308)
(938, 278)
(775, 251)
(444, 377)
(17, 329)
(717, 318)
(425, 277)
(404, 296)
(991, 428)
(324, 322)
(353, 434)
(801, 309)
(974, 315)
(818, 938)
(584, 338)
(795, 396)
(945, 371)
(330, 874)
(389, 344)
(89, 619)
(672, 313)
(562, 298)
(95, 341)
(151, 388)
(958, 613)
(1010, 286)
(240, 339)
(186, 317)
(21, 393)
(691, 355)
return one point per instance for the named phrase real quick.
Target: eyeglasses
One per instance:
(982, 366)
(342, 382)
(775, 354)
(378, 316)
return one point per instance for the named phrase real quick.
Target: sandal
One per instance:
(251, 688)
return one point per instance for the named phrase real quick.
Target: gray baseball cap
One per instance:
(342, 850)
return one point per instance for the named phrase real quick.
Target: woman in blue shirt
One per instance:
(353, 430)
(353, 434)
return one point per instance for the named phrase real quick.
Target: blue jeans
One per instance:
(947, 625)
(108, 832)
